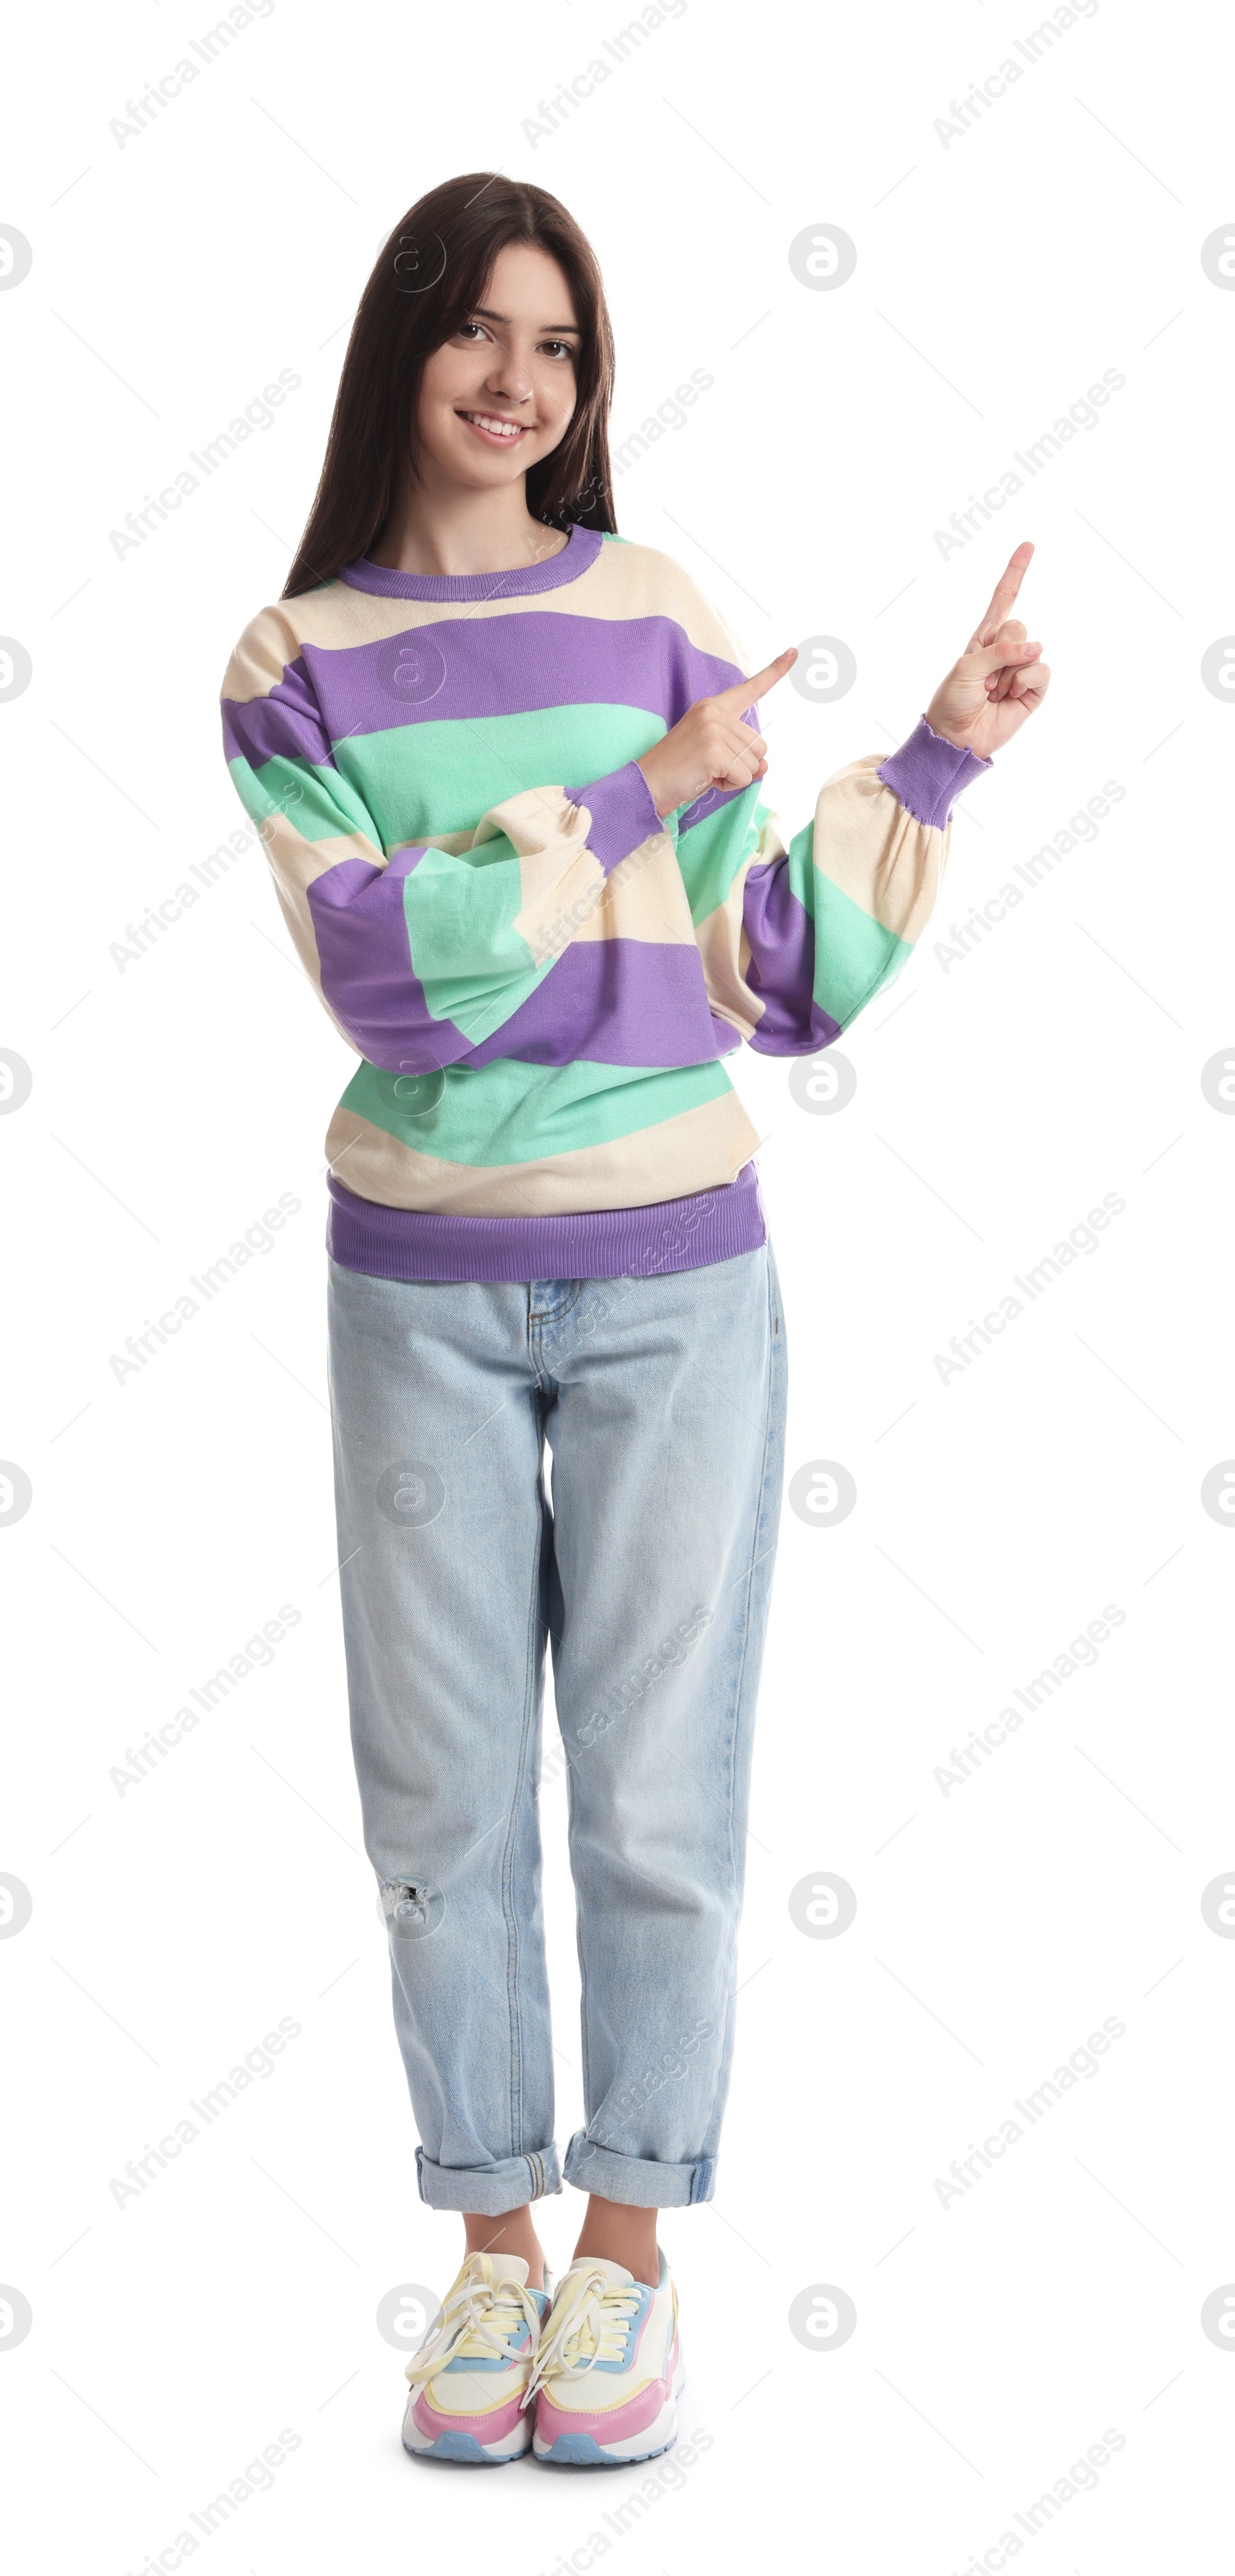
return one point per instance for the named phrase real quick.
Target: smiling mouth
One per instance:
(490, 425)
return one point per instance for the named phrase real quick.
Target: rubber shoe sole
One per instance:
(465, 2450)
(583, 2451)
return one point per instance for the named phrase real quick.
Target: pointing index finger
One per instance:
(744, 692)
(1004, 593)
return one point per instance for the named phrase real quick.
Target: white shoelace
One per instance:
(589, 2324)
(478, 2322)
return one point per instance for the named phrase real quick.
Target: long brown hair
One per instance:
(429, 276)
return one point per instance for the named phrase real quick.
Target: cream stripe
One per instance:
(560, 879)
(624, 583)
(889, 864)
(269, 642)
(564, 894)
(637, 581)
(698, 1150)
(725, 951)
(644, 898)
(300, 927)
(295, 864)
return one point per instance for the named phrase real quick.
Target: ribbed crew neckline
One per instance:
(579, 552)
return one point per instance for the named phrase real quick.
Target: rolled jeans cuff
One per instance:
(640, 2181)
(490, 2190)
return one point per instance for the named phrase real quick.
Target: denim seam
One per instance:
(585, 2062)
(760, 1511)
(536, 1334)
(558, 1314)
(514, 1951)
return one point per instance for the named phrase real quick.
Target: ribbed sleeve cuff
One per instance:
(928, 774)
(623, 812)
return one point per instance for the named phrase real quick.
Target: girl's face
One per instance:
(500, 393)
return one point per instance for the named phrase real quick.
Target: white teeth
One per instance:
(501, 428)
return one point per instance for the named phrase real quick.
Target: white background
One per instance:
(999, 2336)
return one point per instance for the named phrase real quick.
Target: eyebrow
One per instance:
(560, 330)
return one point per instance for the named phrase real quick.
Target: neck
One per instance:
(445, 528)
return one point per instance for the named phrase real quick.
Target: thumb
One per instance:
(998, 657)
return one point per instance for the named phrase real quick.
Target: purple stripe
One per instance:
(361, 931)
(623, 813)
(499, 666)
(612, 1001)
(286, 723)
(600, 1243)
(782, 965)
(579, 553)
(928, 773)
(705, 806)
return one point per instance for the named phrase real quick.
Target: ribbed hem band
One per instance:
(595, 1243)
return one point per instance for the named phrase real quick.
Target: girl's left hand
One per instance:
(999, 679)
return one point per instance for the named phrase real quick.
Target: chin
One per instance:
(504, 469)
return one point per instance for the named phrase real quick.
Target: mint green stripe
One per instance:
(508, 1113)
(854, 956)
(712, 851)
(475, 967)
(411, 777)
(319, 803)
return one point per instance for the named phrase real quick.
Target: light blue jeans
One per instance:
(662, 1401)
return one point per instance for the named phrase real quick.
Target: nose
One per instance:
(510, 377)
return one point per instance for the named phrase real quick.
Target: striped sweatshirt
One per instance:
(539, 976)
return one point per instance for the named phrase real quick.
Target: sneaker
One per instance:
(469, 2380)
(608, 2374)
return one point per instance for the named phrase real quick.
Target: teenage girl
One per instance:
(507, 768)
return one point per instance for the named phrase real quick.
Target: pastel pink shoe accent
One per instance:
(490, 2427)
(482, 2349)
(609, 2369)
(609, 2423)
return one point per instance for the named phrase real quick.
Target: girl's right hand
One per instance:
(710, 746)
